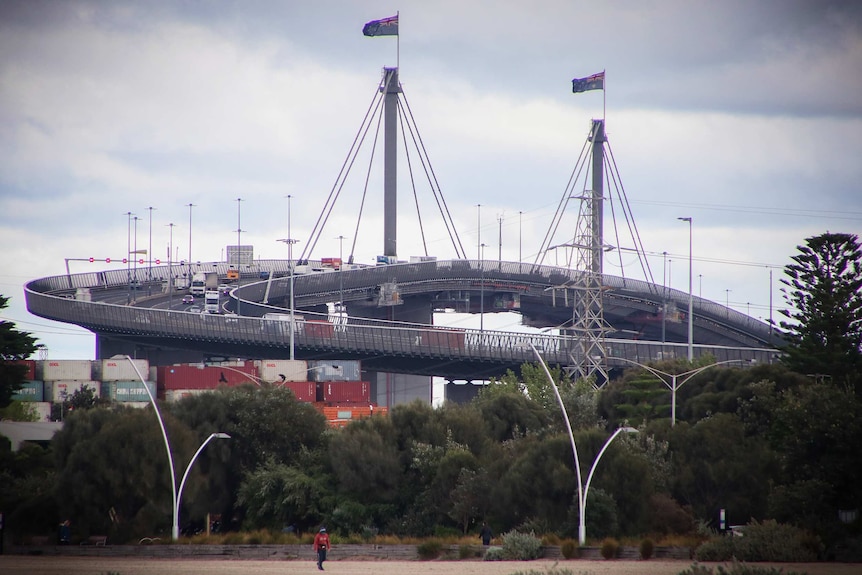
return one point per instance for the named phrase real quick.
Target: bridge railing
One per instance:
(359, 339)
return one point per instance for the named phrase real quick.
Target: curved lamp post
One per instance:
(259, 380)
(176, 527)
(673, 385)
(175, 494)
(583, 489)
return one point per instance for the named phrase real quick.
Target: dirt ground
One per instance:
(31, 565)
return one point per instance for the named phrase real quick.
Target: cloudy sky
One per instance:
(745, 116)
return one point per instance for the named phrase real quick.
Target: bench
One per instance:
(40, 540)
(95, 540)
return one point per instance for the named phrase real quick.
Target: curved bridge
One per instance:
(97, 301)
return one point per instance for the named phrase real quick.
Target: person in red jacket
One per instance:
(321, 544)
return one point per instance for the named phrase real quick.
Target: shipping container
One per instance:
(59, 391)
(178, 394)
(42, 410)
(303, 390)
(67, 369)
(281, 370)
(137, 404)
(30, 391)
(121, 369)
(345, 391)
(334, 370)
(128, 391)
(341, 415)
(30, 365)
(204, 377)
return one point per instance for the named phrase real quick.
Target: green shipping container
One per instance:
(131, 391)
(30, 391)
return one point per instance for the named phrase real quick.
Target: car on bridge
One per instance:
(188, 298)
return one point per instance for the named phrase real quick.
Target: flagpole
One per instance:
(398, 42)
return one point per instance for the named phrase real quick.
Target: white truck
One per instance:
(211, 301)
(203, 281)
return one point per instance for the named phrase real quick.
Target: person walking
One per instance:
(321, 544)
(485, 534)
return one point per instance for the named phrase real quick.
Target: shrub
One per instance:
(494, 554)
(569, 549)
(521, 546)
(737, 568)
(468, 552)
(610, 548)
(551, 571)
(647, 548)
(430, 549)
(767, 541)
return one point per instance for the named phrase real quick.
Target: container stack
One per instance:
(187, 379)
(121, 381)
(65, 377)
(33, 390)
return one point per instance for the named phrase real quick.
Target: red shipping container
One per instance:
(303, 390)
(346, 391)
(171, 377)
(30, 364)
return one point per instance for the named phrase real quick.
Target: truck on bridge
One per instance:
(203, 281)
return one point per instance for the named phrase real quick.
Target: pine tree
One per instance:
(825, 306)
(14, 345)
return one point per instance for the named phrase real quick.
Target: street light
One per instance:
(673, 386)
(175, 493)
(690, 297)
(176, 526)
(290, 241)
(238, 250)
(582, 491)
(482, 288)
(259, 380)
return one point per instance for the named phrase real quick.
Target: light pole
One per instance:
(582, 489)
(170, 267)
(176, 527)
(690, 296)
(238, 251)
(727, 302)
(135, 280)
(164, 438)
(128, 257)
(259, 380)
(290, 241)
(150, 254)
(479, 231)
(482, 288)
(175, 493)
(340, 276)
(520, 234)
(673, 386)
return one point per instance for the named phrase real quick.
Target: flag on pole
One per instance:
(594, 82)
(384, 27)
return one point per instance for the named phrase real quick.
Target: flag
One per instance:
(594, 82)
(384, 27)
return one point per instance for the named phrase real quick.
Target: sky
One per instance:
(745, 116)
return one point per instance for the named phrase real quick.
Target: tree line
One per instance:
(767, 442)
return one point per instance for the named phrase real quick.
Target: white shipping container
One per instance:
(58, 391)
(121, 369)
(334, 370)
(278, 370)
(42, 409)
(178, 394)
(67, 369)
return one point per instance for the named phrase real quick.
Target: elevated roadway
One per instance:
(148, 322)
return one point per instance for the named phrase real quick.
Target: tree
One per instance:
(14, 346)
(825, 299)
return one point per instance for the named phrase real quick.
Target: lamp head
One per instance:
(221, 435)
